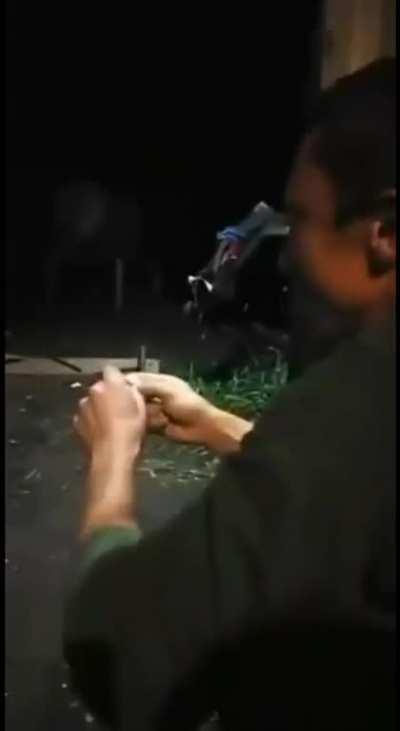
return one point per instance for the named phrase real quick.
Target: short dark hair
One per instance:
(355, 140)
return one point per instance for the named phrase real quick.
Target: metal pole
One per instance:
(142, 359)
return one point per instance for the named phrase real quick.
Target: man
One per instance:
(272, 599)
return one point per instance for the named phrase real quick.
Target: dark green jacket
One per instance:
(272, 599)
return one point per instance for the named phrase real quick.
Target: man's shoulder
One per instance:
(340, 404)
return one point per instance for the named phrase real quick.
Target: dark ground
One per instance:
(43, 488)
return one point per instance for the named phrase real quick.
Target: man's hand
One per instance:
(111, 423)
(112, 418)
(177, 411)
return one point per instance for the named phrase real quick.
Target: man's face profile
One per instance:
(329, 264)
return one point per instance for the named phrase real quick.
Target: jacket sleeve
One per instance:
(146, 619)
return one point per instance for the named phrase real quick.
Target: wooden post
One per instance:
(356, 32)
(119, 285)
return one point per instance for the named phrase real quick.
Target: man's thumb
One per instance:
(112, 374)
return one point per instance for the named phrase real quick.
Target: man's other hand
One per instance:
(177, 411)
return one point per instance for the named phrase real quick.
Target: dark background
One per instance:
(196, 112)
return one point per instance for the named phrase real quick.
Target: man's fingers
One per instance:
(78, 426)
(153, 385)
(112, 374)
(85, 413)
(176, 433)
(155, 417)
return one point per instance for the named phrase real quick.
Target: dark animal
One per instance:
(241, 290)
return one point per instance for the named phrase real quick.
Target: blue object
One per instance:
(261, 222)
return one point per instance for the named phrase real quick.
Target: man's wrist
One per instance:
(227, 432)
(114, 456)
(111, 494)
(106, 516)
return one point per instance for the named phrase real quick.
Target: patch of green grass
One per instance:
(247, 392)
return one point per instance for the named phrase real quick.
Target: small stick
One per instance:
(63, 362)
(142, 358)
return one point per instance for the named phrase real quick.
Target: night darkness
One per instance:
(197, 115)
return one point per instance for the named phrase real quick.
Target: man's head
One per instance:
(341, 197)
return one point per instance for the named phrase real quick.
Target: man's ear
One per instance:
(382, 243)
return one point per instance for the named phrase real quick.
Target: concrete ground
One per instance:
(43, 492)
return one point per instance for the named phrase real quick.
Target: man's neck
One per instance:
(381, 314)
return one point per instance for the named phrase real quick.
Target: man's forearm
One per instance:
(110, 493)
(111, 475)
(226, 432)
